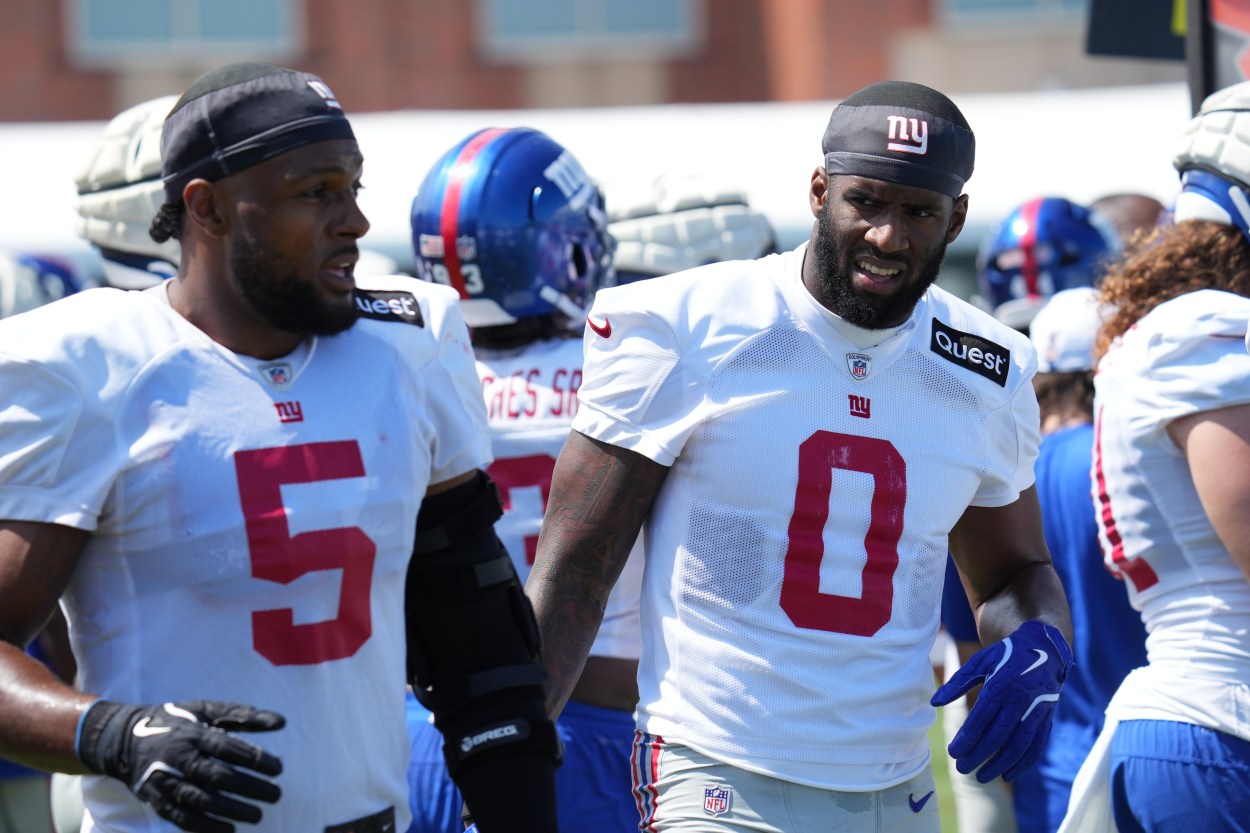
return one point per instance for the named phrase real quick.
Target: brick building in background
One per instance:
(74, 60)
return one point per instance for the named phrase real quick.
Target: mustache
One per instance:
(873, 252)
(345, 250)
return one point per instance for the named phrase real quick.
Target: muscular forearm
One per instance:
(568, 619)
(600, 495)
(1033, 592)
(38, 714)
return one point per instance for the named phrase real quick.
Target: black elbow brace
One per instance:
(473, 644)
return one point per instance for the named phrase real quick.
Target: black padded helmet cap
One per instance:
(901, 132)
(237, 116)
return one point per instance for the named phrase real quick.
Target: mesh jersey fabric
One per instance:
(796, 551)
(531, 399)
(251, 529)
(1186, 356)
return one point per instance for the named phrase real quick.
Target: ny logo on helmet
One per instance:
(912, 134)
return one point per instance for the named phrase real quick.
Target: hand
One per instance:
(181, 758)
(1022, 677)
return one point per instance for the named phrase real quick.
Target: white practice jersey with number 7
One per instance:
(251, 521)
(531, 398)
(1186, 356)
(796, 552)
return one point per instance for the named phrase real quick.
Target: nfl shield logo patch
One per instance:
(859, 363)
(277, 374)
(715, 800)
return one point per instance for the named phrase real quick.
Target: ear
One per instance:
(959, 215)
(819, 191)
(203, 200)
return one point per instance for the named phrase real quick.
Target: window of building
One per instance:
(547, 29)
(970, 11)
(158, 31)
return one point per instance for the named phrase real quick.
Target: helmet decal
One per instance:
(1043, 246)
(511, 220)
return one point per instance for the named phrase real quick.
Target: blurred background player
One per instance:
(510, 218)
(1172, 474)
(1043, 246)
(20, 287)
(1108, 638)
(679, 222)
(120, 191)
(1132, 215)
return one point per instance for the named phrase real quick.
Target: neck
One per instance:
(1059, 421)
(203, 297)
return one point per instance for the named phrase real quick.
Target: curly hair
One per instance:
(1173, 261)
(167, 224)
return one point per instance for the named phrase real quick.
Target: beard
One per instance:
(868, 312)
(281, 297)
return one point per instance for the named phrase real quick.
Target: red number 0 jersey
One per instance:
(795, 555)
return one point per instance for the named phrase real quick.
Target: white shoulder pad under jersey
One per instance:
(1186, 356)
(531, 398)
(796, 552)
(434, 311)
(651, 347)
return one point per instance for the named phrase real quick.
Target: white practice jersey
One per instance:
(796, 552)
(1186, 356)
(531, 398)
(251, 521)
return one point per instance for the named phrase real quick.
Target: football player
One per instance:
(510, 218)
(1171, 486)
(257, 489)
(1043, 246)
(803, 436)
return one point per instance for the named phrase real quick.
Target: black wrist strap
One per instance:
(100, 738)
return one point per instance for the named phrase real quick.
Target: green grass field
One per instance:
(941, 776)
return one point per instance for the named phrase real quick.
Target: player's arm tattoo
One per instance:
(600, 495)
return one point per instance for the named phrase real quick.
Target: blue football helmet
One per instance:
(1043, 246)
(511, 220)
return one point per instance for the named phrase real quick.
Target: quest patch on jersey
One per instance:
(977, 354)
(389, 305)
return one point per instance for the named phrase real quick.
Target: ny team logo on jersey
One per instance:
(289, 411)
(977, 354)
(860, 406)
(716, 800)
(908, 135)
(859, 364)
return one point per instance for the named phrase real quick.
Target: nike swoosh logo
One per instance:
(1041, 698)
(917, 806)
(144, 730)
(1041, 660)
(604, 330)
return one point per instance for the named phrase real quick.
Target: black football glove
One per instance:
(181, 758)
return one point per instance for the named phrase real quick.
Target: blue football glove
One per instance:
(1022, 677)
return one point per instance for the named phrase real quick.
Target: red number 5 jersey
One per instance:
(251, 521)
